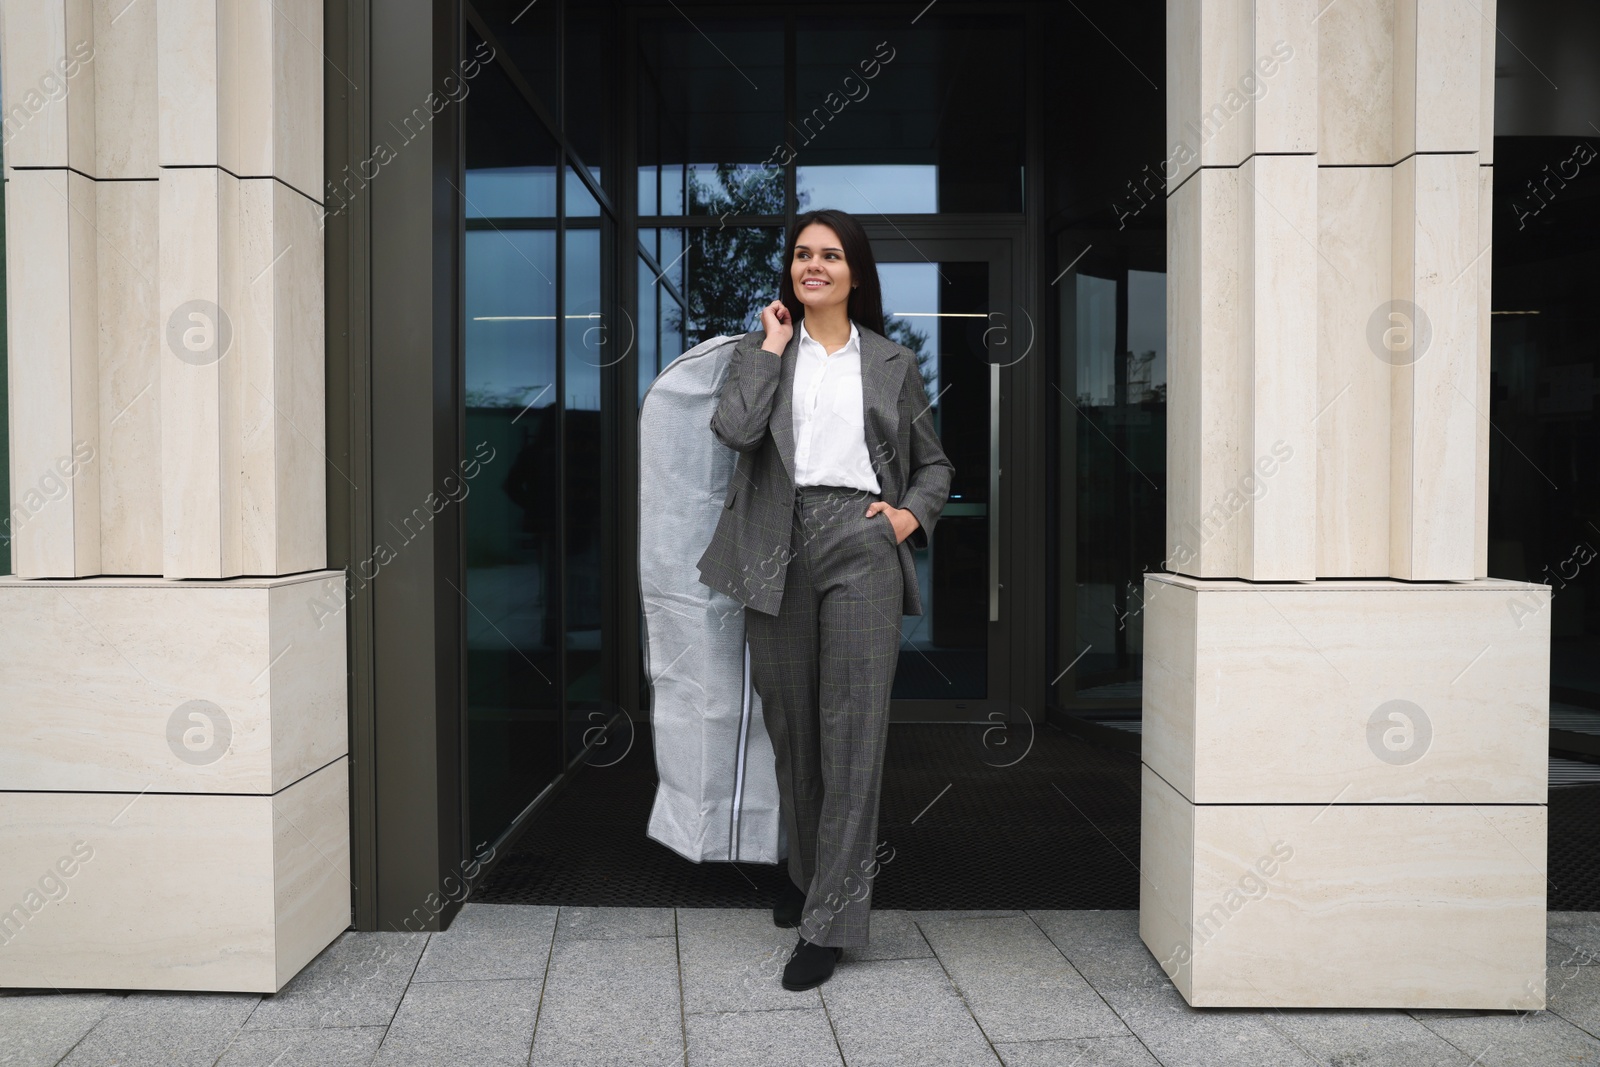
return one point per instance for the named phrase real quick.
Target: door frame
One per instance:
(1017, 526)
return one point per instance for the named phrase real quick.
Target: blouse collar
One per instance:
(852, 345)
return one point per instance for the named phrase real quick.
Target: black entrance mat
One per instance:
(1574, 871)
(1057, 828)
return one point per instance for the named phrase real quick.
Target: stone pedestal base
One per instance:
(1344, 792)
(174, 797)
(1344, 905)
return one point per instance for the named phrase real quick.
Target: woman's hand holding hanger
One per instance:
(776, 322)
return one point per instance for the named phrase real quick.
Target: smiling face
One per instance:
(819, 273)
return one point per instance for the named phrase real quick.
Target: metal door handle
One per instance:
(994, 492)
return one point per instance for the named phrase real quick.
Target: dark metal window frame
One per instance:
(395, 374)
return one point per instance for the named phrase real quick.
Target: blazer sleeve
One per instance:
(745, 406)
(928, 483)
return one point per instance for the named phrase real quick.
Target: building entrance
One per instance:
(613, 230)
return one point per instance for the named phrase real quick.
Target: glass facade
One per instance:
(618, 213)
(540, 353)
(1544, 486)
(1113, 395)
(884, 124)
(710, 115)
(728, 126)
(1106, 408)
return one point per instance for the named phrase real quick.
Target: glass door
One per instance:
(946, 300)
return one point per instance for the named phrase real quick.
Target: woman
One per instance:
(840, 475)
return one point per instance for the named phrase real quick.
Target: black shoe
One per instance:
(791, 902)
(810, 965)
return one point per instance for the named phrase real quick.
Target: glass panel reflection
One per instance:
(864, 189)
(530, 43)
(891, 118)
(648, 198)
(710, 92)
(513, 577)
(735, 189)
(660, 326)
(1116, 327)
(591, 81)
(586, 355)
(512, 192)
(939, 311)
(729, 274)
(580, 201)
(1544, 486)
(724, 275)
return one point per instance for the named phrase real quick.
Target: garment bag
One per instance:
(718, 794)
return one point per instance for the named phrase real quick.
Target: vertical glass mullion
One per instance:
(790, 91)
(613, 391)
(560, 571)
(1122, 502)
(561, 82)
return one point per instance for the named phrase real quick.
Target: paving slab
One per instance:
(493, 921)
(482, 959)
(1517, 1039)
(542, 986)
(1126, 1051)
(1181, 1036)
(449, 1024)
(902, 1013)
(1580, 929)
(1105, 948)
(1016, 983)
(786, 1037)
(482, 945)
(339, 1046)
(1573, 992)
(610, 1002)
(604, 924)
(733, 961)
(356, 981)
(41, 1028)
(164, 1030)
(1370, 1038)
(894, 937)
(1566, 956)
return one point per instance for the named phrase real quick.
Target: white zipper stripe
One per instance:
(744, 745)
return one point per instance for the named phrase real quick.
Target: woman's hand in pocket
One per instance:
(901, 519)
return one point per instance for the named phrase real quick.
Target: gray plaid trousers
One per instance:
(824, 666)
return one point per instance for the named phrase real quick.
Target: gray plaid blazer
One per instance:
(749, 553)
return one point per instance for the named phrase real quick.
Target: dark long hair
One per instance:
(866, 299)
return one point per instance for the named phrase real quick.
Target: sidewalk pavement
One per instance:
(591, 987)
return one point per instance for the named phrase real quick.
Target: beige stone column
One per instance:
(239, 138)
(181, 742)
(1346, 719)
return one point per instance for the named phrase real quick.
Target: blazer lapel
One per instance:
(880, 394)
(782, 421)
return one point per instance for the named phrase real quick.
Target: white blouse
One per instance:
(830, 441)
